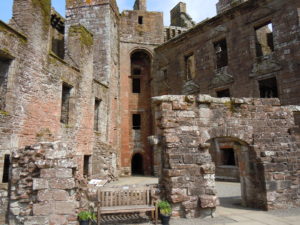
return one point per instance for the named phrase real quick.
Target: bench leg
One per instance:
(98, 216)
(156, 214)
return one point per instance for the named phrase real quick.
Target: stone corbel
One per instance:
(190, 87)
(221, 78)
(265, 65)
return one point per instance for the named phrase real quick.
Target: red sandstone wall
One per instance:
(134, 37)
(244, 69)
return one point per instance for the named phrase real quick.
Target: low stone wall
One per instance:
(43, 186)
(268, 154)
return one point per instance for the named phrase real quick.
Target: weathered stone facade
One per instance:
(268, 154)
(230, 37)
(43, 185)
(85, 82)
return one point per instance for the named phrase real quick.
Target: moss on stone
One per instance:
(12, 33)
(86, 37)
(45, 6)
(4, 113)
(231, 106)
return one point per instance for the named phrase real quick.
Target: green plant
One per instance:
(86, 215)
(165, 208)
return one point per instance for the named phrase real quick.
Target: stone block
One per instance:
(60, 195)
(58, 220)
(39, 184)
(36, 220)
(61, 183)
(48, 173)
(65, 208)
(208, 201)
(44, 195)
(43, 209)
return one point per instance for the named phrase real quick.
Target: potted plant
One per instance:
(165, 210)
(85, 217)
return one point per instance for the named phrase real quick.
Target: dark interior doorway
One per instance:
(137, 165)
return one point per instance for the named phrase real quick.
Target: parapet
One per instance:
(224, 5)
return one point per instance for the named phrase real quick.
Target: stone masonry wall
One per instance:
(244, 71)
(136, 37)
(43, 185)
(101, 18)
(268, 157)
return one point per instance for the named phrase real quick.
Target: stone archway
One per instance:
(261, 128)
(234, 161)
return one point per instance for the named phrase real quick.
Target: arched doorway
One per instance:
(137, 164)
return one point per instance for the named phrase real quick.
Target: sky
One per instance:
(197, 9)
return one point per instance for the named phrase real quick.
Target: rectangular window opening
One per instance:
(268, 88)
(136, 121)
(97, 114)
(141, 20)
(86, 165)
(227, 157)
(264, 40)
(6, 167)
(65, 103)
(190, 67)
(58, 47)
(136, 85)
(221, 53)
(297, 118)
(223, 93)
(4, 67)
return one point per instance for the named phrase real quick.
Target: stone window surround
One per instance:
(261, 78)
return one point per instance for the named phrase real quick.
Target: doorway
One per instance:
(137, 166)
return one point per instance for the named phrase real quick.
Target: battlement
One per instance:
(81, 3)
(179, 17)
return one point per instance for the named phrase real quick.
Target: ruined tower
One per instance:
(140, 32)
(101, 17)
(179, 17)
(140, 5)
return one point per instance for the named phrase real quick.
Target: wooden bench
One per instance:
(125, 200)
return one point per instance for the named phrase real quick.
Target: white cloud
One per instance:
(197, 9)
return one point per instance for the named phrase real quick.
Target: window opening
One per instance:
(137, 165)
(221, 53)
(136, 85)
(264, 40)
(4, 67)
(223, 93)
(190, 67)
(137, 71)
(141, 20)
(268, 88)
(86, 165)
(58, 29)
(297, 118)
(136, 121)
(65, 103)
(6, 167)
(96, 114)
(227, 157)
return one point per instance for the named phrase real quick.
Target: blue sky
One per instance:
(198, 9)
